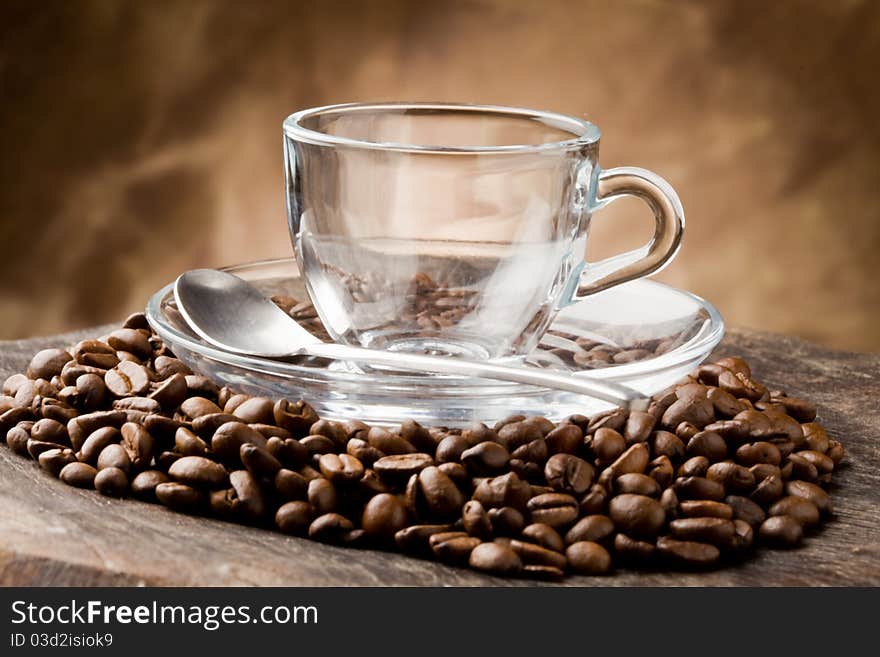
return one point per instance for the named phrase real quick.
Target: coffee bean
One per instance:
(143, 486)
(633, 550)
(669, 502)
(564, 439)
(51, 431)
(634, 459)
(569, 474)
(296, 417)
(452, 547)
(188, 443)
(162, 428)
(114, 456)
(811, 493)
(699, 488)
(54, 460)
(707, 509)
(138, 444)
(181, 497)
(365, 453)
(127, 379)
(294, 517)
(607, 445)
(708, 444)
(697, 410)
(198, 471)
(341, 468)
(637, 515)
(542, 572)
(733, 477)
(804, 511)
(588, 558)
(79, 475)
(322, 496)
(613, 419)
(822, 462)
(458, 474)
(47, 363)
(94, 353)
(690, 553)
(536, 555)
(171, 392)
(637, 483)
(506, 521)
(544, 535)
(801, 468)
(450, 449)
(55, 409)
(414, 539)
(476, 520)
(759, 452)
(815, 437)
(37, 447)
(594, 501)
(768, 490)
(228, 439)
(515, 434)
(799, 409)
(725, 404)
(201, 386)
(590, 528)
(731, 430)
(111, 482)
(495, 559)
(259, 461)
(79, 428)
(638, 428)
(195, 407)
(696, 466)
(140, 404)
(555, 509)
(442, 498)
(836, 451)
(667, 444)
(165, 459)
(384, 515)
(717, 531)
(271, 431)
(255, 410)
(248, 501)
(735, 364)
(291, 485)
(486, 458)
(17, 438)
(781, 532)
(166, 366)
(745, 509)
(533, 452)
(290, 452)
(685, 431)
(661, 471)
(330, 528)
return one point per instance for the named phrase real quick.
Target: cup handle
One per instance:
(649, 258)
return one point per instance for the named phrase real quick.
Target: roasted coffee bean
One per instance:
(533, 571)
(201, 386)
(330, 528)
(569, 474)
(388, 443)
(690, 553)
(544, 535)
(384, 516)
(163, 428)
(365, 453)
(294, 517)
(696, 466)
(73, 370)
(515, 434)
(759, 452)
(452, 547)
(536, 555)
(811, 493)
(698, 488)
(37, 447)
(768, 490)
(165, 459)
(341, 468)
(450, 449)
(762, 471)
(685, 431)
(141, 404)
(669, 502)
(94, 353)
(745, 509)
(171, 392)
(637, 483)
(638, 428)
(476, 520)
(636, 515)
(417, 436)
(414, 539)
(822, 462)
(259, 461)
(207, 425)
(12, 383)
(526, 470)
(80, 475)
(588, 558)
(735, 478)
(114, 456)
(708, 444)
(506, 490)
(13, 416)
(51, 431)
(590, 528)
(322, 495)
(17, 438)
(731, 430)
(804, 511)
(166, 366)
(634, 459)
(248, 501)
(697, 410)
(143, 486)
(458, 473)
(271, 431)
(111, 482)
(255, 410)
(195, 407)
(229, 438)
(442, 498)
(607, 445)
(297, 418)
(594, 501)
(310, 473)
(799, 409)
(717, 531)
(54, 460)
(132, 341)
(667, 444)
(55, 409)
(661, 471)
(564, 439)
(725, 404)
(486, 458)
(555, 509)
(47, 363)
(127, 379)
(781, 531)
(181, 497)
(736, 365)
(291, 485)
(633, 550)
(233, 401)
(836, 451)
(290, 452)
(506, 521)
(533, 452)
(802, 468)
(188, 443)
(79, 428)
(706, 509)
(138, 444)
(198, 471)
(496, 559)
(815, 437)
(613, 419)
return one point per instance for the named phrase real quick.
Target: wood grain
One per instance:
(51, 534)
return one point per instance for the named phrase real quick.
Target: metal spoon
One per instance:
(234, 315)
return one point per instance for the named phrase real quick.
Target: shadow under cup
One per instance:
(454, 229)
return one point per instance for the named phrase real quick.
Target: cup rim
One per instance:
(584, 133)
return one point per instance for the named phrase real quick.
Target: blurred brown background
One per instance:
(140, 139)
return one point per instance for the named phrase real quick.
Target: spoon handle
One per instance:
(604, 390)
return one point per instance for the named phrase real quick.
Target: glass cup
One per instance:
(456, 229)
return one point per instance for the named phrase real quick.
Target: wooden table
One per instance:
(51, 534)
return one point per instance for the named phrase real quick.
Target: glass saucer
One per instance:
(642, 334)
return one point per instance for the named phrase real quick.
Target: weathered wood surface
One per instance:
(51, 534)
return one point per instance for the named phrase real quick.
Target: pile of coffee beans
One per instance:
(714, 467)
